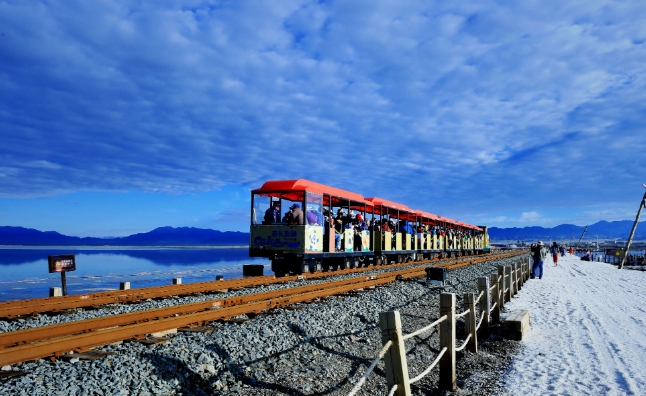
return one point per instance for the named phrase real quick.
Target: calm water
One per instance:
(24, 272)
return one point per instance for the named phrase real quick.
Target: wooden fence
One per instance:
(478, 313)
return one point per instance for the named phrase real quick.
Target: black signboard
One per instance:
(62, 263)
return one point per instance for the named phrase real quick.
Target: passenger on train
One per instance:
(359, 226)
(287, 219)
(385, 226)
(330, 225)
(348, 220)
(313, 217)
(406, 228)
(338, 221)
(272, 214)
(297, 214)
(374, 225)
(421, 233)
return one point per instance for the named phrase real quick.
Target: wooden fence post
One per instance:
(508, 284)
(522, 274)
(516, 277)
(501, 287)
(395, 359)
(522, 271)
(485, 305)
(470, 322)
(447, 340)
(512, 281)
(495, 298)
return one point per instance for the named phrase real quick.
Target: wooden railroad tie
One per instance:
(7, 375)
(88, 355)
(154, 340)
(198, 329)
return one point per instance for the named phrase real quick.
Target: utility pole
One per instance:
(584, 231)
(632, 232)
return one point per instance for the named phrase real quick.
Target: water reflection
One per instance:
(25, 271)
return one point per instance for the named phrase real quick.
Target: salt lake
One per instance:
(24, 271)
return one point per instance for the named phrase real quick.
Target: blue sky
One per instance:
(121, 116)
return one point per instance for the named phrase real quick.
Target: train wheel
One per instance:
(400, 258)
(344, 263)
(351, 263)
(378, 260)
(325, 265)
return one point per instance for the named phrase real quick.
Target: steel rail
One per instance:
(18, 308)
(57, 330)
(59, 345)
(30, 335)
(55, 340)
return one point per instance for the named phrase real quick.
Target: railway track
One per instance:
(79, 336)
(13, 309)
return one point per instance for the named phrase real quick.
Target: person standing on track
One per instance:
(555, 253)
(539, 254)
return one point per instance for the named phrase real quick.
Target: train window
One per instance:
(314, 212)
(260, 205)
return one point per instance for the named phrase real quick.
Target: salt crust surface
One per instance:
(588, 331)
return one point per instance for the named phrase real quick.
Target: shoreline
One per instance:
(123, 247)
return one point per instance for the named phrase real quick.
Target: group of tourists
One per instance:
(539, 254)
(348, 221)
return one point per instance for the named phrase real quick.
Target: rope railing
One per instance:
(431, 367)
(475, 326)
(463, 345)
(480, 321)
(479, 297)
(363, 378)
(424, 329)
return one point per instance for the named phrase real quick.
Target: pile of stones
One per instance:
(322, 347)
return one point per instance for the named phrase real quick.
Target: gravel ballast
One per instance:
(317, 348)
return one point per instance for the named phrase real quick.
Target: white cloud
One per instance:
(531, 217)
(449, 107)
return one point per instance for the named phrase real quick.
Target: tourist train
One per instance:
(303, 226)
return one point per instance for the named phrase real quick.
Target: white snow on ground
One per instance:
(588, 331)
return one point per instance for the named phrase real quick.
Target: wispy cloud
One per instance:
(451, 107)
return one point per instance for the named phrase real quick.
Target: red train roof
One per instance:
(427, 215)
(290, 189)
(305, 185)
(389, 204)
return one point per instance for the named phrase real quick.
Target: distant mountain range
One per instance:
(163, 236)
(188, 236)
(603, 230)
